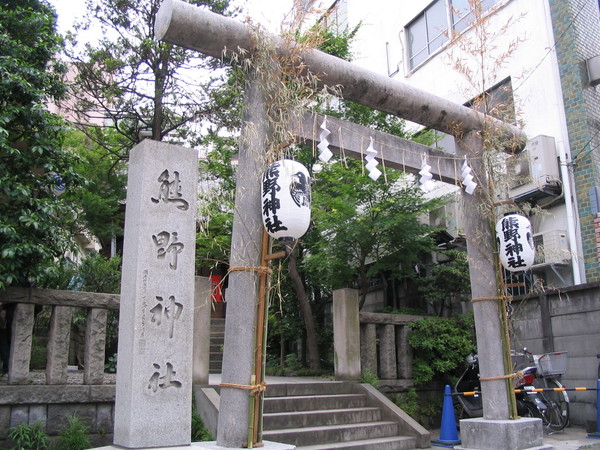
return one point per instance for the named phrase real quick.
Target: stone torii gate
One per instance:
(198, 29)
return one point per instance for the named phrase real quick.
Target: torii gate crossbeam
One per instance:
(394, 152)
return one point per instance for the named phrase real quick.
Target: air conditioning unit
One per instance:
(534, 172)
(551, 247)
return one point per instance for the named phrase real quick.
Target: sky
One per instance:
(268, 13)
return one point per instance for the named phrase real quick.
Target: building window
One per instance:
(429, 30)
(497, 102)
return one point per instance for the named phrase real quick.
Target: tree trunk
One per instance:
(159, 92)
(363, 284)
(309, 323)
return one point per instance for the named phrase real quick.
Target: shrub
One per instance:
(199, 432)
(28, 437)
(74, 436)
(370, 378)
(424, 407)
(440, 346)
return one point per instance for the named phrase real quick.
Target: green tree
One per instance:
(32, 155)
(97, 205)
(447, 280)
(217, 181)
(364, 229)
(136, 85)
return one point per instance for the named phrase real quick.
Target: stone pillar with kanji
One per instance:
(154, 368)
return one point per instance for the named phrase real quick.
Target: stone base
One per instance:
(484, 434)
(211, 445)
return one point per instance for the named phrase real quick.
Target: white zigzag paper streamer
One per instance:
(426, 180)
(467, 178)
(323, 146)
(372, 163)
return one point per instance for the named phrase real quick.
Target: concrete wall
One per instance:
(565, 320)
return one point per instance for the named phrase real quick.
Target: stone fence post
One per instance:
(346, 335)
(202, 309)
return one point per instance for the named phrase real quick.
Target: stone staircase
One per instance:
(333, 415)
(217, 339)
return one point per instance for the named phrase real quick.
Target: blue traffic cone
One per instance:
(448, 432)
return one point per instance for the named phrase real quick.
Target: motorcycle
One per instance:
(533, 397)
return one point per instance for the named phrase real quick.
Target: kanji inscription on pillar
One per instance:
(154, 373)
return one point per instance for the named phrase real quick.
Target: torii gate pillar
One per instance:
(198, 29)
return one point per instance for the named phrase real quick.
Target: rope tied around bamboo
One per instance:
(254, 389)
(503, 377)
(260, 269)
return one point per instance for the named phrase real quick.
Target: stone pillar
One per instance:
(494, 430)
(482, 273)
(368, 347)
(154, 371)
(404, 353)
(202, 309)
(387, 352)
(246, 240)
(20, 344)
(95, 346)
(59, 338)
(346, 335)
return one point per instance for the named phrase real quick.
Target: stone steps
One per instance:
(217, 339)
(329, 415)
(298, 419)
(389, 443)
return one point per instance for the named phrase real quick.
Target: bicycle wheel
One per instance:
(557, 402)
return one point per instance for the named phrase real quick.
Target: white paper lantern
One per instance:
(515, 242)
(286, 199)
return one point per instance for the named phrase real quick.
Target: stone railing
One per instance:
(384, 349)
(62, 304)
(49, 397)
(371, 342)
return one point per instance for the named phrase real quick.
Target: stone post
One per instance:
(59, 338)
(404, 352)
(346, 334)
(368, 348)
(154, 372)
(95, 340)
(202, 309)
(387, 352)
(20, 344)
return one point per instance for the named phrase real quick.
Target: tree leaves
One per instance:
(31, 228)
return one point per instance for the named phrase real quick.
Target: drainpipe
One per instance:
(571, 223)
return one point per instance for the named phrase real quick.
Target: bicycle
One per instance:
(555, 411)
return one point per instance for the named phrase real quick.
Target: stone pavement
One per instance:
(571, 438)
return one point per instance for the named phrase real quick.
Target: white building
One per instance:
(551, 76)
